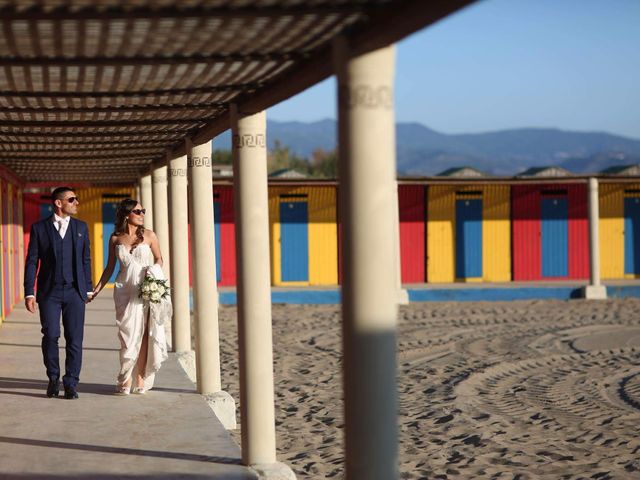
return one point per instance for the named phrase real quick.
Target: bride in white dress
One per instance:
(140, 324)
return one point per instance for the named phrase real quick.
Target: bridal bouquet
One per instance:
(153, 290)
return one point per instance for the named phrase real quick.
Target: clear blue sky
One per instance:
(501, 64)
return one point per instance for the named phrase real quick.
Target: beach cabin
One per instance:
(412, 216)
(225, 234)
(303, 233)
(550, 227)
(11, 231)
(468, 230)
(620, 222)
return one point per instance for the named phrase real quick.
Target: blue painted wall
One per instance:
(555, 237)
(631, 235)
(216, 218)
(46, 209)
(108, 221)
(468, 238)
(294, 241)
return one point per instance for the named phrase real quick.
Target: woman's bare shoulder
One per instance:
(149, 234)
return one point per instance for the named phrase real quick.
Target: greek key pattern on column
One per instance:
(249, 140)
(366, 96)
(195, 162)
(178, 172)
(159, 179)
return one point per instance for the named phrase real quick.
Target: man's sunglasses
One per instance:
(73, 199)
(139, 211)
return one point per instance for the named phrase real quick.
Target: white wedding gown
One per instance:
(132, 313)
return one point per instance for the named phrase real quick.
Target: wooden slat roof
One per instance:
(99, 90)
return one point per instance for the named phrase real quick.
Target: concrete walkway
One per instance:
(170, 432)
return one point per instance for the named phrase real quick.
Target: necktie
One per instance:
(61, 228)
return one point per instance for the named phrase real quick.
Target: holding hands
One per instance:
(30, 304)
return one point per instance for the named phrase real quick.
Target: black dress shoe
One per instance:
(70, 393)
(53, 389)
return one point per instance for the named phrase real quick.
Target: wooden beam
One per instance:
(80, 135)
(52, 150)
(83, 95)
(124, 12)
(88, 123)
(59, 155)
(156, 109)
(70, 167)
(401, 19)
(210, 59)
(73, 144)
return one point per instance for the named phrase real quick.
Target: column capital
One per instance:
(199, 161)
(177, 167)
(249, 140)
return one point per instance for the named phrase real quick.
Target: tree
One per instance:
(221, 157)
(324, 164)
(280, 157)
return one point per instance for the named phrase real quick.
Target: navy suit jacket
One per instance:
(42, 253)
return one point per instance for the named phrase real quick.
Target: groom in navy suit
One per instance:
(59, 253)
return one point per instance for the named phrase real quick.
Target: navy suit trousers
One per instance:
(66, 301)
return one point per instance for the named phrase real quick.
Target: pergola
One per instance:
(116, 92)
(99, 90)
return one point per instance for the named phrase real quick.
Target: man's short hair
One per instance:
(58, 193)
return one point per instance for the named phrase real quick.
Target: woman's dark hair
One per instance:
(124, 209)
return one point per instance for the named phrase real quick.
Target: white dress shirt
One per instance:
(61, 224)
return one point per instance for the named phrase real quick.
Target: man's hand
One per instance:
(90, 297)
(30, 303)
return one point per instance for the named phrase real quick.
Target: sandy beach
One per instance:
(517, 390)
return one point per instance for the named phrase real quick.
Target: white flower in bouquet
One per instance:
(153, 290)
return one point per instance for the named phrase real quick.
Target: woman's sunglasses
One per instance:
(139, 211)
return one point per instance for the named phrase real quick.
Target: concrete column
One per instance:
(204, 283)
(254, 295)
(161, 214)
(366, 138)
(595, 290)
(137, 193)
(179, 245)
(146, 200)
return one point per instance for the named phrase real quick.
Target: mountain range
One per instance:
(423, 151)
